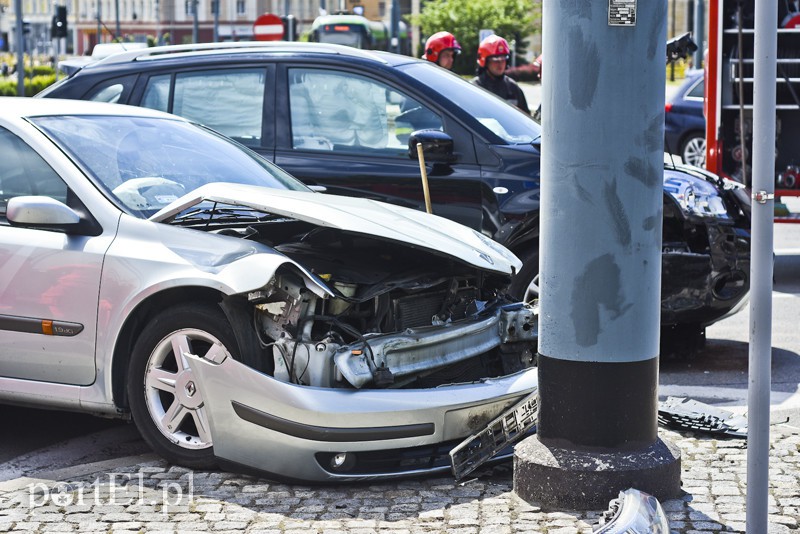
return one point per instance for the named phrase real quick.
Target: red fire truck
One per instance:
(729, 96)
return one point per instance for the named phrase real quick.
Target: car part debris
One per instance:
(687, 414)
(505, 430)
(633, 512)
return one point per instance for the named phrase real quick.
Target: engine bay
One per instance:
(400, 316)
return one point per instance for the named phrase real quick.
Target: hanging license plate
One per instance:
(507, 429)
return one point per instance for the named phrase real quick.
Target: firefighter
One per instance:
(442, 48)
(492, 61)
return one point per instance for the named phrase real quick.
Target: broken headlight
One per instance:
(633, 512)
(695, 196)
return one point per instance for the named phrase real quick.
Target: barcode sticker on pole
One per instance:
(622, 12)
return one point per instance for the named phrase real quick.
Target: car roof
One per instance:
(13, 107)
(691, 77)
(246, 48)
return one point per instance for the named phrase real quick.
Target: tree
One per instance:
(511, 19)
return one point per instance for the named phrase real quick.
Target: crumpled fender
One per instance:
(255, 271)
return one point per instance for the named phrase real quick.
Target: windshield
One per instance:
(346, 38)
(145, 163)
(504, 120)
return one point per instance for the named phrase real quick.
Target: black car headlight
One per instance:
(696, 196)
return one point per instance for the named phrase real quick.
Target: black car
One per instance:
(349, 120)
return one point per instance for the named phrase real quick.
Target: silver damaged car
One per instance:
(152, 269)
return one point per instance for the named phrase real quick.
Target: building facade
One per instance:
(162, 21)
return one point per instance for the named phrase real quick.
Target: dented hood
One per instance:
(416, 228)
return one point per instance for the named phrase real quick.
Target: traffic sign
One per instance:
(268, 27)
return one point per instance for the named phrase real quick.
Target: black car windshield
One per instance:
(145, 163)
(509, 124)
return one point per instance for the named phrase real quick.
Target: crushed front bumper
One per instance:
(318, 434)
(417, 350)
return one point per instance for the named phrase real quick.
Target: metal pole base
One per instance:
(588, 480)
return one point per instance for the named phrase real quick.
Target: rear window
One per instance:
(697, 90)
(115, 90)
(231, 101)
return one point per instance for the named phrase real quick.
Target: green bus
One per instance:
(358, 32)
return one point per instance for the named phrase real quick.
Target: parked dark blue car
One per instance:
(684, 123)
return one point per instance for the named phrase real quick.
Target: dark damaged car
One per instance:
(154, 269)
(349, 120)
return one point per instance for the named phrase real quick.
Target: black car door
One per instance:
(348, 130)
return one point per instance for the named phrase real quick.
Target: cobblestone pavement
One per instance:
(144, 494)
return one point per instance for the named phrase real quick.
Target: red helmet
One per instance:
(439, 42)
(492, 46)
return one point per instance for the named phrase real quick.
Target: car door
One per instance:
(49, 280)
(348, 131)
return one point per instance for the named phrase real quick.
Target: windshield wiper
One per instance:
(219, 215)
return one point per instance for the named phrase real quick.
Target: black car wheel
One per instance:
(693, 150)
(525, 285)
(166, 400)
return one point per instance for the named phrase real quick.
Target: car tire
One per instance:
(525, 285)
(693, 149)
(166, 401)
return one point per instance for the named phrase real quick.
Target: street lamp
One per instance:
(195, 25)
(99, 23)
(157, 5)
(215, 10)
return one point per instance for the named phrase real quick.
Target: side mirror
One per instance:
(436, 145)
(40, 212)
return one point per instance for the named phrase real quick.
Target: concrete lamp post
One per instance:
(600, 266)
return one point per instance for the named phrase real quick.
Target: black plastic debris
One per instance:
(687, 414)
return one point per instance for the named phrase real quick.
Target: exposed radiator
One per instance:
(418, 310)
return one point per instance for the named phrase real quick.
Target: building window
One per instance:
(241, 8)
